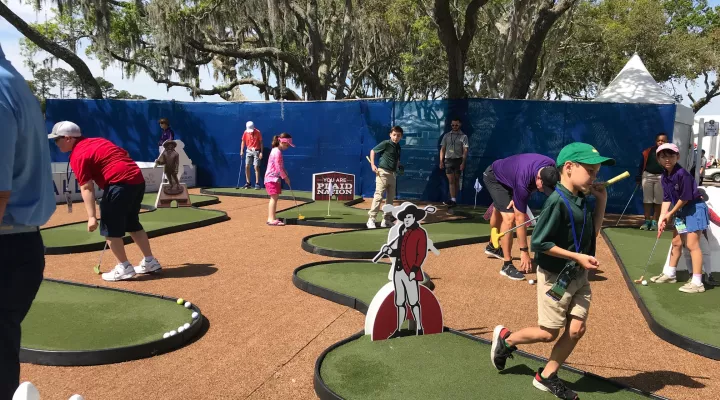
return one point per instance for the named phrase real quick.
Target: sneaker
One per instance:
(554, 385)
(499, 352)
(646, 226)
(119, 273)
(384, 223)
(708, 280)
(492, 251)
(692, 288)
(450, 203)
(662, 278)
(371, 223)
(246, 186)
(257, 186)
(653, 226)
(147, 267)
(511, 272)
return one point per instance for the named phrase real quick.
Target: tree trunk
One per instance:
(92, 88)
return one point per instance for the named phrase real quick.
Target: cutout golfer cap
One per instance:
(582, 153)
(668, 146)
(65, 128)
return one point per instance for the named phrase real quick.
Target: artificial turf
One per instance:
(360, 280)
(441, 366)
(373, 239)
(318, 211)
(299, 194)
(691, 315)
(149, 198)
(70, 317)
(77, 234)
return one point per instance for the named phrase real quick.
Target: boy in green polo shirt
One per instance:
(564, 245)
(389, 151)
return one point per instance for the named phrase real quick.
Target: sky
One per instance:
(143, 85)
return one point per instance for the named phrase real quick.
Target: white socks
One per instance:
(669, 271)
(126, 264)
(697, 279)
(453, 199)
(149, 258)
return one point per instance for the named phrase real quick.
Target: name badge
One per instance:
(680, 225)
(557, 291)
(68, 200)
(451, 151)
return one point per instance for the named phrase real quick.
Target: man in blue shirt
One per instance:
(27, 200)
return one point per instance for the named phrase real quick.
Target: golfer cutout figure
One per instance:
(407, 247)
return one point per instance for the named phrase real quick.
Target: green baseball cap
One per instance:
(582, 153)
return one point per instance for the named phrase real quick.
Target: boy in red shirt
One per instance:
(252, 139)
(111, 168)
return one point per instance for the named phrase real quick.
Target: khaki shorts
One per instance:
(576, 301)
(652, 188)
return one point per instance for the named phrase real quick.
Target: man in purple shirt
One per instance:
(510, 182)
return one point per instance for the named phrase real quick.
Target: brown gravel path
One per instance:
(265, 334)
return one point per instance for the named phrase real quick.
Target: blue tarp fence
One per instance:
(337, 135)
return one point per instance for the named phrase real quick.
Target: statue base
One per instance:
(165, 200)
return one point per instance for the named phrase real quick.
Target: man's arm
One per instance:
(87, 191)
(4, 198)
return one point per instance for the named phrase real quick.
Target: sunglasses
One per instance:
(455, 125)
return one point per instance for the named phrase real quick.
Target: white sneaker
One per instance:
(384, 223)
(371, 223)
(119, 273)
(147, 267)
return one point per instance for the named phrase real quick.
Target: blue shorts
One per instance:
(695, 215)
(120, 209)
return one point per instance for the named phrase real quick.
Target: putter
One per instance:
(97, 267)
(495, 236)
(300, 216)
(642, 277)
(239, 172)
(626, 205)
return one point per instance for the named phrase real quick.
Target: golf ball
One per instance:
(173, 333)
(532, 282)
(644, 283)
(166, 335)
(186, 326)
(188, 304)
(180, 301)
(181, 329)
(195, 315)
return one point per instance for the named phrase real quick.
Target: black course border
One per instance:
(346, 254)
(325, 393)
(118, 354)
(304, 200)
(676, 339)
(334, 296)
(84, 248)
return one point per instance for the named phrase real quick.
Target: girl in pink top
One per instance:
(274, 172)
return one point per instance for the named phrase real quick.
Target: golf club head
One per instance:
(97, 269)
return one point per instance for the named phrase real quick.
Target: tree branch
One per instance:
(471, 13)
(76, 63)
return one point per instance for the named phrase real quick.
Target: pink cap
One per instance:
(668, 146)
(287, 140)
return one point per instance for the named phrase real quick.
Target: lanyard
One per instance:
(572, 222)
(68, 174)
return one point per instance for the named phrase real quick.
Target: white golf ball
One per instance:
(181, 329)
(532, 282)
(173, 333)
(195, 315)
(166, 335)
(644, 283)
(186, 326)
(76, 397)
(188, 304)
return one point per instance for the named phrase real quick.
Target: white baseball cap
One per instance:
(65, 128)
(249, 126)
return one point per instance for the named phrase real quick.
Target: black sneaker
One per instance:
(257, 186)
(708, 280)
(499, 353)
(554, 385)
(450, 203)
(247, 186)
(511, 272)
(493, 252)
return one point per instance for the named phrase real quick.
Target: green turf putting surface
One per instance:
(318, 211)
(285, 192)
(77, 234)
(693, 315)
(442, 366)
(360, 280)
(149, 198)
(69, 317)
(373, 239)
